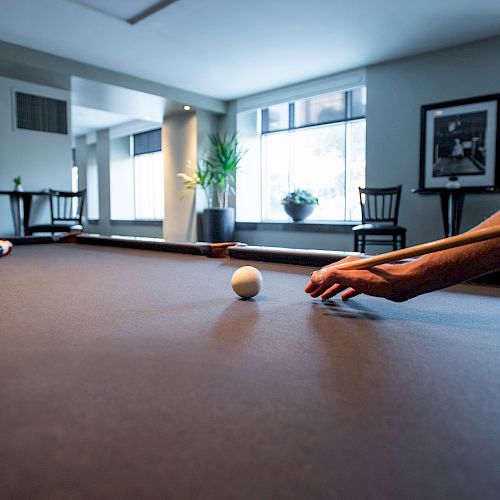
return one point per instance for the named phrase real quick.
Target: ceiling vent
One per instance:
(42, 114)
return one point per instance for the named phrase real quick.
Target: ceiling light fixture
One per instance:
(187, 108)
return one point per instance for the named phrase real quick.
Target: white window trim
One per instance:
(325, 85)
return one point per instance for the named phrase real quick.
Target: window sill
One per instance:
(344, 227)
(139, 222)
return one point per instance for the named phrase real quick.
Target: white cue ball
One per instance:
(246, 281)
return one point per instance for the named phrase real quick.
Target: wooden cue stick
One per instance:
(430, 247)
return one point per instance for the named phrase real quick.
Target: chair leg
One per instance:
(403, 240)
(356, 242)
(363, 244)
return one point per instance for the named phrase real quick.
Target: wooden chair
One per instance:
(379, 217)
(65, 211)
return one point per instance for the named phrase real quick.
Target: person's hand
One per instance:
(397, 282)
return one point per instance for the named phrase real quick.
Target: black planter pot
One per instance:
(218, 225)
(299, 211)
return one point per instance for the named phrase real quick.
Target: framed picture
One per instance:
(459, 144)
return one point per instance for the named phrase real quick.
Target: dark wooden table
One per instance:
(452, 203)
(20, 206)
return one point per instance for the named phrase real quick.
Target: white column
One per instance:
(185, 140)
(179, 144)
(102, 158)
(81, 163)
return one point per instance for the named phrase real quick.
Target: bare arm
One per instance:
(401, 282)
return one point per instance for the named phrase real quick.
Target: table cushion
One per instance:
(378, 228)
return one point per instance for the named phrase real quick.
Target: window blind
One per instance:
(147, 142)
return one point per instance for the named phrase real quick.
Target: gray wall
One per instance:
(396, 91)
(43, 160)
(342, 240)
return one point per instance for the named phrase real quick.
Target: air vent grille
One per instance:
(42, 114)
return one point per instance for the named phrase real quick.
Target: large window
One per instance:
(317, 144)
(74, 184)
(148, 186)
(136, 177)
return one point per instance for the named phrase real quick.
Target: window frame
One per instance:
(264, 115)
(349, 117)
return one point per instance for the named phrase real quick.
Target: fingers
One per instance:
(327, 283)
(325, 291)
(318, 291)
(332, 290)
(393, 282)
(350, 294)
(311, 287)
(330, 277)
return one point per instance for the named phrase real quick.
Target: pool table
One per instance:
(129, 373)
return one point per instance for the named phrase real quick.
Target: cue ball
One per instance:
(246, 281)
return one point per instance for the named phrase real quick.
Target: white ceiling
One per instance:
(86, 120)
(98, 105)
(229, 48)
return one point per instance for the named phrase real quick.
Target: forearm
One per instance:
(455, 265)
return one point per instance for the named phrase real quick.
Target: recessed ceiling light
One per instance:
(187, 108)
(148, 117)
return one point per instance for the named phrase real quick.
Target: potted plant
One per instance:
(216, 175)
(299, 204)
(17, 183)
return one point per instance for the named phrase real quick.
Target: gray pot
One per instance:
(299, 211)
(218, 225)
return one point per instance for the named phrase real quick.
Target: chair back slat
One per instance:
(66, 206)
(380, 204)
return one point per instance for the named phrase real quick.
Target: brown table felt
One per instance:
(129, 374)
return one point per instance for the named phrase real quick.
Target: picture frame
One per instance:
(459, 144)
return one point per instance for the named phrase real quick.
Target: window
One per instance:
(136, 177)
(74, 184)
(317, 144)
(148, 186)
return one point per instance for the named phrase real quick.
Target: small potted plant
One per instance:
(17, 183)
(216, 175)
(299, 204)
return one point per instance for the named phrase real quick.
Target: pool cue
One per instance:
(424, 248)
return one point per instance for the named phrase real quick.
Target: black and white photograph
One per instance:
(459, 144)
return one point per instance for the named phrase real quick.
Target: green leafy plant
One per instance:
(300, 197)
(17, 180)
(216, 173)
